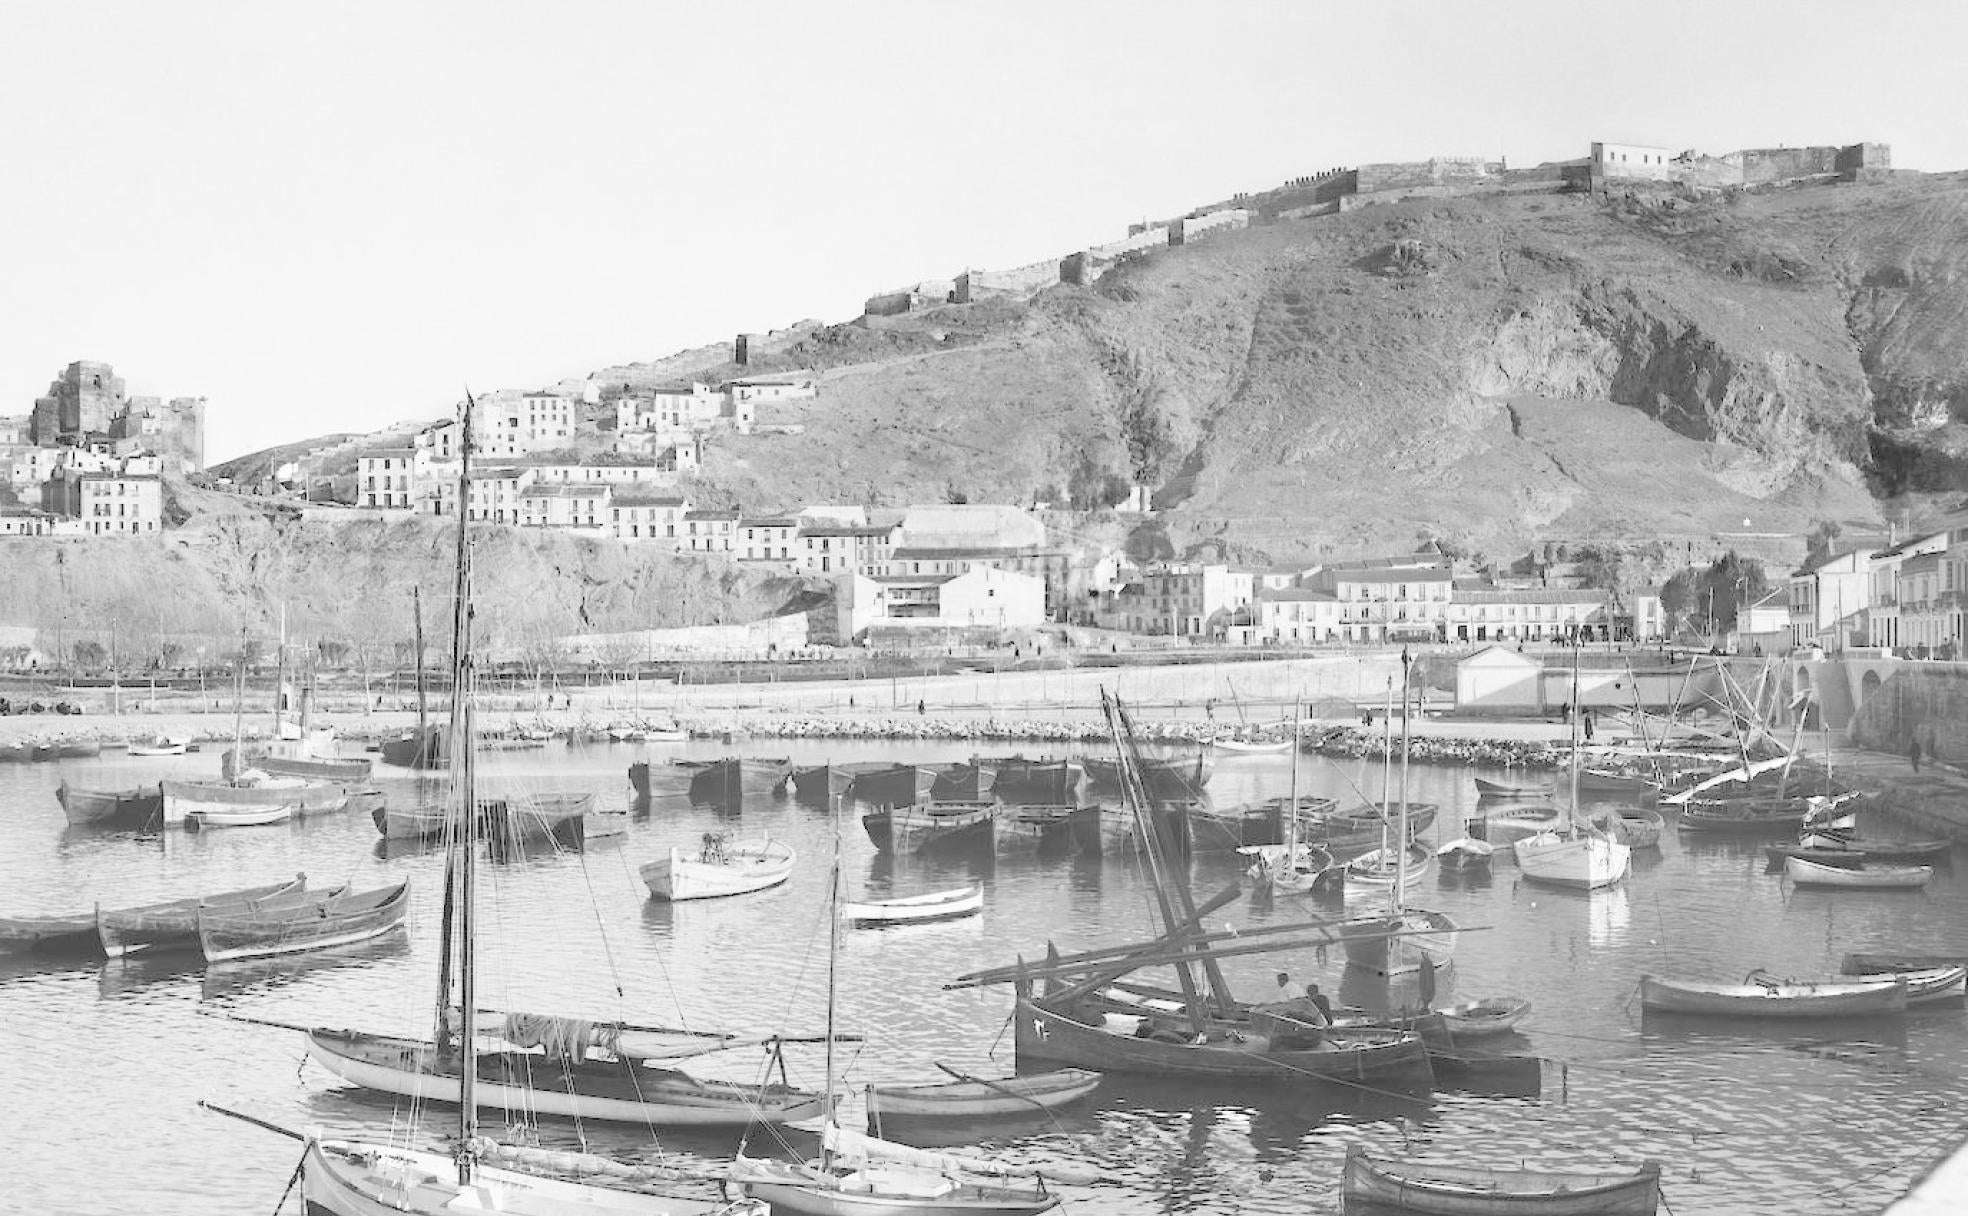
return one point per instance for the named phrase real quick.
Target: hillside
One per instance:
(1485, 371)
(1628, 368)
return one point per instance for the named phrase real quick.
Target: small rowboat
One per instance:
(174, 925)
(160, 745)
(1765, 996)
(1875, 850)
(132, 807)
(1611, 781)
(1379, 868)
(1807, 873)
(1466, 1190)
(939, 825)
(239, 816)
(1480, 1019)
(1253, 746)
(1932, 985)
(980, 1097)
(1862, 963)
(338, 919)
(915, 909)
(1465, 853)
(1500, 789)
(719, 868)
(50, 934)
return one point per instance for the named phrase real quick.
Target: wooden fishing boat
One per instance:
(1486, 788)
(1043, 780)
(352, 1178)
(1867, 876)
(726, 782)
(1247, 747)
(856, 1188)
(938, 825)
(1044, 829)
(1168, 777)
(1047, 1030)
(239, 816)
(1294, 869)
(160, 745)
(313, 768)
(173, 925)
(963, 783)
(719, 867)
(416, 748)
(589, 1085)
(1765, 996)
(1362, 827)
(133, 807)
(1482, 1019)
(892, 785)
(1932, 985)
(61, 934)
(915, 909)
(1580, 857)
(1599, 782)
(1119, 828)
(1872, 848)
(1465, 853)
(819, 784)
(1464, 1190)
(1378, 869)
(1400, 941)
(423, 821)
(1213, 830)
(250, 789)
(1875, 962)
(336, 920)
(1506, 825)
(1634, 827)
(1743, 816)
(549, 821)
(968, 1097)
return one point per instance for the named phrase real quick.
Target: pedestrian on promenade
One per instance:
(1585, 720)
(920, 709)
(1913, 752)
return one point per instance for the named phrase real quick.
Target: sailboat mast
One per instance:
(417, 619)
(833, 965)
(1571, 807)
(280, 676)
(1386, 761)
(239, 711)
(1291, 807)
(1401, 834)
(465, 800)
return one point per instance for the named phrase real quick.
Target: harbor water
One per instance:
(108, 1061)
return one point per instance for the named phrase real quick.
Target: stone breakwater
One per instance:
(1442, 749)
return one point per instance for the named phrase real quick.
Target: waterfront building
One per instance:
(636, 516)
(1828, 599)
(980, 597)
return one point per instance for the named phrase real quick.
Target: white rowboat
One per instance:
(915, 909)
(734, 868)
(1865, 877)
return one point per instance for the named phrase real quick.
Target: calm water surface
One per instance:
(107, 1062)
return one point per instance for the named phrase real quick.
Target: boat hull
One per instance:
(134, 807)
(1450, 1190)
(875, 1192)
(1774, 1000)
(173, 925)
(611, 1091)
(338, 920)
(977, 1099)
(1583, 862)
(1048, 1035)
(937, 825)
(183, 798)
(747, 866)
(1807, 873)
(915, 909)
(342, 1178)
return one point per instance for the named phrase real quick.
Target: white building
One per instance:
(981, 597)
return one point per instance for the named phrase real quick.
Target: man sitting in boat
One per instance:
(1296, 1023)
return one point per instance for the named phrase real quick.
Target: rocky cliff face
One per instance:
(351, 584)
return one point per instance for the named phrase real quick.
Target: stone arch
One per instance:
(1869, 684)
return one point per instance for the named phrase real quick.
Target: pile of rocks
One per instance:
(1441, 749)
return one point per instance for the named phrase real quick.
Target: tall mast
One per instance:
(1571, 808)
(1401, 834)
(1291, 807)
(239, 711)
(280, 675)
(417, 617)
(465, 801)
(833, 966)
(1386, 761)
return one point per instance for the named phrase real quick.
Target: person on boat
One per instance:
(1320, 1001)
(1585, 724)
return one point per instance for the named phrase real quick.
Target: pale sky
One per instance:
(332, 217)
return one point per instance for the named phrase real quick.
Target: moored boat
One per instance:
(173, 925)
(939, 825)
(1465, 853)
(1044, 829)
(1875, 962)
(1378, 869)
(60, 934)
(966, 1097)
(1440, 1189)
(1743, 816)
(1254, 746)
(335, 920)
(550, 821)
(160, 745)
(963, 783)
(133, 807)
(239, 816)
(728, 781)
(892, 785)
(1483, 1018)
(1765, 996)
(1177, 777)
(314, 768)
(1868, 876)
(719, 867)
(251, 789)
(1602, 781)
(1042, 780)
(1486, 788)
(914, 909)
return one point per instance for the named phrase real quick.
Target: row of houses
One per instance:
(1910, 597)
(1412, 598)
(103, 488)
